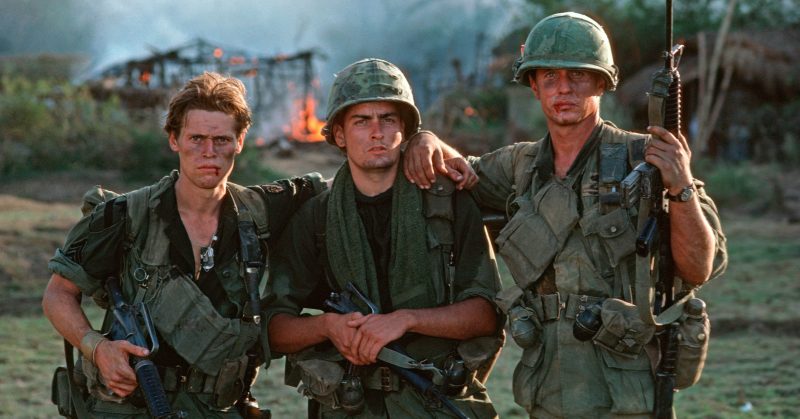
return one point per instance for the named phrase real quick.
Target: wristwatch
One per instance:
(685, 195)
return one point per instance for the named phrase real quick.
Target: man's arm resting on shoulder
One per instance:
(62, 306)
(463, 320)
(426, 154)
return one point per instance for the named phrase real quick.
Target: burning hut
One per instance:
(281, 88)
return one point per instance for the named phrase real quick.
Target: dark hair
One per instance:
(209, 92)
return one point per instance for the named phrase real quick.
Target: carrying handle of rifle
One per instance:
(139, 310)
(150, 327)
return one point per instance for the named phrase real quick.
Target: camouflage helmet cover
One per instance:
(567, 40)
(370, 80)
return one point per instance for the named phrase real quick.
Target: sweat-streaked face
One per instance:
(206, 147)
(567, 96)
(371, 133)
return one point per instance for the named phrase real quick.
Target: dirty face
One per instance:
(567, 96)
(206, 147)
(370, 134)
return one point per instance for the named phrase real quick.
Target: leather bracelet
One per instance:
(90, 342)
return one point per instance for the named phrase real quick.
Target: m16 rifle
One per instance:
(125, 326)
(393, 356)
(644, 188)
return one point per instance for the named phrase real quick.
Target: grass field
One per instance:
(753, 358)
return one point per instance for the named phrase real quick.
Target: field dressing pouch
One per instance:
(183, 315)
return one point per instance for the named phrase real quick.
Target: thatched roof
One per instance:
(766, 62)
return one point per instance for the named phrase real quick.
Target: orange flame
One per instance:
(304, 124)
(144, 77)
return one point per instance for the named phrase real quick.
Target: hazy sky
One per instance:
(411, 31)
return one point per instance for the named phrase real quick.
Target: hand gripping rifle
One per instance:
(392, 355)
(644, 187)
(125, 326)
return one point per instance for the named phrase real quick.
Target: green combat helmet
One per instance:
(371, 80)
(567, 40)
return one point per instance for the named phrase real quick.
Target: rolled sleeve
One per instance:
(284, 197)
(476, 267)
(709, 209)
(92, 248)
(497, 171)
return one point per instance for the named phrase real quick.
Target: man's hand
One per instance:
(342, 334)
(376, 331)
(426, 154)
(672, 157)
(111, 358)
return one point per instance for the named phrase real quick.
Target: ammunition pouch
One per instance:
(189, 323)
(320, 379)
(623, 332)
(61, 393)
(514, 243)
(225, 388)
(230, 385)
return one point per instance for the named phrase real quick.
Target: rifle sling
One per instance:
(75, 395)
(644, 286)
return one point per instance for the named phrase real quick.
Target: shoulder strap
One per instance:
(254, 204)
(439, 213)
(523, 168)
(253, 229)
(620, 152)
(320, 220)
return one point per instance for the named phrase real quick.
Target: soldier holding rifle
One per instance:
(571, 240)
(191, 248)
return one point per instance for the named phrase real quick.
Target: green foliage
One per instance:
(56, 126)
(777, 128)
(740, 187)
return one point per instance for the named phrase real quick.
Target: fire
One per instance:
(304, 124)
(144, 77)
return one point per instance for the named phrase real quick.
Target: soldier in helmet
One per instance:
(565, 245)
(421, 256)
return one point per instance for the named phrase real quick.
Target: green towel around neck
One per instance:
(349, 254)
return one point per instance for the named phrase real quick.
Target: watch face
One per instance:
(686, 194)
